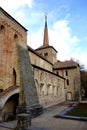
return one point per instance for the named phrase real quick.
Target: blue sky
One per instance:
(67, 24)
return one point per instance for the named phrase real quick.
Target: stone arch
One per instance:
(37, 86)
(48, 92)
(16, 38)
(41, 76)
(16, 60)
(69, 96)
(6, 96)
(9, 108)
(41, 89)
(57, 90)
(53, 90)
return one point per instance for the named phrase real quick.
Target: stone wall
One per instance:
(49, 53)
(72, 83)
(10, 33)
(50, 87)
(38, 61)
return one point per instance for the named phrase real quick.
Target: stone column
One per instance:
(28, 98)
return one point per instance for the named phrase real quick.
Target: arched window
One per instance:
(14, 76)
(46, 54)
(2, 28)
(67, 82)
(16, 38)
(66, 73)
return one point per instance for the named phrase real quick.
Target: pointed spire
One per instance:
(46, 39)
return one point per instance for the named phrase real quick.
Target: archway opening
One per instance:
(69, 96)
(9, 109)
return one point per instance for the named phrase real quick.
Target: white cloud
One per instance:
(35, 40)
(10, 5)
(61, 38)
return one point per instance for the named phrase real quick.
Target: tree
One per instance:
(84, 82)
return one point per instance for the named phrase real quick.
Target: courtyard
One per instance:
(47, 121)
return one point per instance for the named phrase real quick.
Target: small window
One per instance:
(57, 73)
(15, 36)
(1, 28)
(66, 73)
(1, 90)
(46, 54)
(67, 82)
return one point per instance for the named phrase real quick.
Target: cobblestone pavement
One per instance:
(47, 121)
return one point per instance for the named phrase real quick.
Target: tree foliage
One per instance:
(84, 81)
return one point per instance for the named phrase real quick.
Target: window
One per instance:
(66, 73)
(1, 90)
(46, 54)
(57, 73)
(67, 82)
(2, 28)
(15, 38)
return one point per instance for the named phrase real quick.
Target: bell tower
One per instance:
(49, 52)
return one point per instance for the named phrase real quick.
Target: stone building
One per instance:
(71, 72)
(55, 81)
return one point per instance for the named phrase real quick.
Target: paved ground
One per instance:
(47, 121)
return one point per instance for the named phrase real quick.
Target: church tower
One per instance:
(47, 51)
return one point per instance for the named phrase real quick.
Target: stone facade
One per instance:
(39, 60)
(9, 68)
(71, 72)
(49, 53)
(50, 87)
(14, 65)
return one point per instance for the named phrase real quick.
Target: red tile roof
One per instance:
(65, 64)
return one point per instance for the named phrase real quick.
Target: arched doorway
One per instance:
(9, 109)
(69, 96)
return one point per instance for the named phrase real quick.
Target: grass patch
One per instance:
(78, 111)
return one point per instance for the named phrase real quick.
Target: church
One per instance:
(56, 81)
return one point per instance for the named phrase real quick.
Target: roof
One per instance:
(35, 66)
(45, 47)
(65, 65)
(9, 16)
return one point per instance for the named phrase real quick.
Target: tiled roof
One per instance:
(44, 47)
(65, 64)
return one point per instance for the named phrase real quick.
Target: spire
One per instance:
(46, 39)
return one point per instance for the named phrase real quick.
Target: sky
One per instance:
(67, 25)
